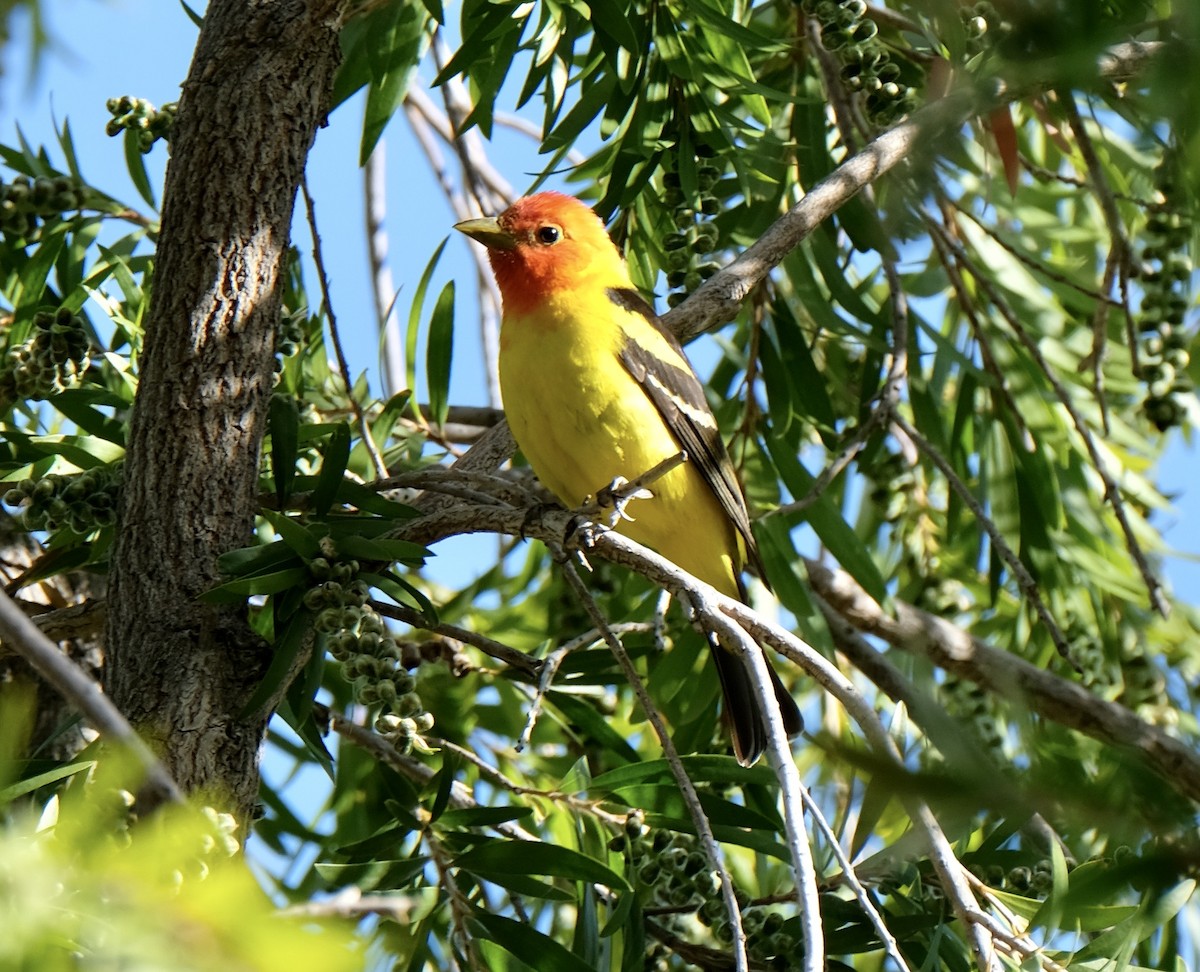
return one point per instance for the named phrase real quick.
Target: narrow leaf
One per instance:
(439, 351)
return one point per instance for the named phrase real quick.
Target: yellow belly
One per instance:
(581, 420)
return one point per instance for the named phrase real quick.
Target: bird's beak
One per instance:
(487, 231)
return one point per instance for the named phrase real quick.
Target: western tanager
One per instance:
(596, 389)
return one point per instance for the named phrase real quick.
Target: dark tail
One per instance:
(743, 708)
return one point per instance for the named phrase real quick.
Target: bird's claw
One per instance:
(615, 497)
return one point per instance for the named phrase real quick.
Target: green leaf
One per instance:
(308, 731)
(393, 40)
(700, 769)
(260, 558)
(592, 724)
(443, 782)
(287, 649)
(293, 534)
(782, 563)
(192, 15)
(234, 591)
(826, 520)
(29, 293)
(803, 377)
(369, 501)
(596, 93)
(536, 858)
(439, 351)
(283, 423)
(21, 787)
(388, 551)
(414, 319)
(607, 17)
(135, 162)
(333, 467)
(82, 406)
(465, 817)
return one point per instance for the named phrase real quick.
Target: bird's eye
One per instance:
(549, 234)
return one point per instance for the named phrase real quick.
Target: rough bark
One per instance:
(182, 670)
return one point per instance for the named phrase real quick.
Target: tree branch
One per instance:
(24, 637)
(949, 647)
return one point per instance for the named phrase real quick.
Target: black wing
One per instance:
(679, 397)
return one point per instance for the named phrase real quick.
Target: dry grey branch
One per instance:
(1064, 702)
(24, 637)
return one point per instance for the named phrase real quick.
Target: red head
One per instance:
(545, 244)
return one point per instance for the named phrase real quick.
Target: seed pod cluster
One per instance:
(26, 202)
(1166, 272)
(982, 26)
(140, 116)
(1029, 882)
(695, 234)
(867, 66)
(372, 660)
(677, 875)
(973, 707)
(82, 502)
(54, 358)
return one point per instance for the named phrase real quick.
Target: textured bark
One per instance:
(181, 670)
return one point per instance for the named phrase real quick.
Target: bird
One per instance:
(598, 391)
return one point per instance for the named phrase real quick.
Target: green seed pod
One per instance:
(683, 217)
(648, 872)
(834, 38)
(678, 259)
(409, 703)
(865, 31)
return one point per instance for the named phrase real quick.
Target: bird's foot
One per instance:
(610, 503)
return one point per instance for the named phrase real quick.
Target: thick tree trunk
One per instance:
(182, 671)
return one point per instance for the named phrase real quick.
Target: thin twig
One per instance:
(967, 305)
(70, 681)
(891, 946)
(460, 906)
(704, 832)
(1120, 252)
(719, 298)
(880, 409)
(794, 796)
(498, 650)
(1025, 582)
(551, 664)
(1037, 266)
(367, 439)
(1057, 699)
(1112, 492)
(550, 526)
(411, 768)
